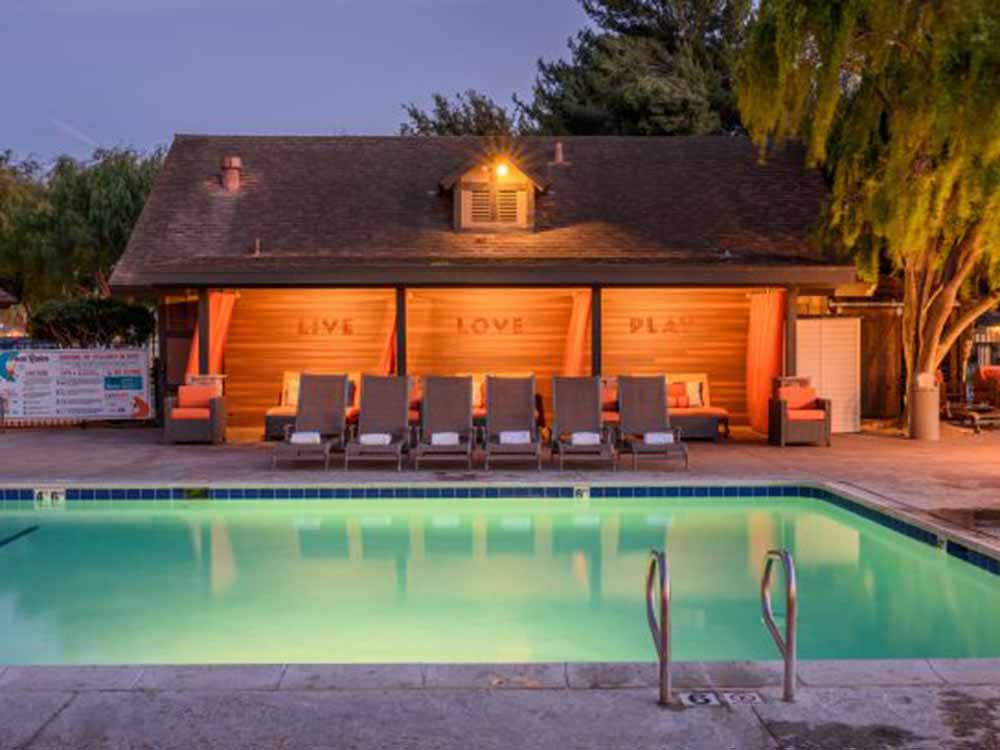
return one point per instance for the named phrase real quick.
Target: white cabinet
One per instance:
(828, 352)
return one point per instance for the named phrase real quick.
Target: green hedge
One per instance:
(89, 322)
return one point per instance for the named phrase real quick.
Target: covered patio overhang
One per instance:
(599, 319)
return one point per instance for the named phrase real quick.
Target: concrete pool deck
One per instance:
(871, 704)
(860, 705)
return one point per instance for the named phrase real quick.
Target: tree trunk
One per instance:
(931, 322)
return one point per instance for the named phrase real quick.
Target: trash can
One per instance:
(925, 408)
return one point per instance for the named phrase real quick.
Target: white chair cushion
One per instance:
(515, 437)
(658, 438)
(585, 438)
(375, 438)
(306, 437)
(444, 438)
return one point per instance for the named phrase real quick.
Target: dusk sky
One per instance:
(85, 73)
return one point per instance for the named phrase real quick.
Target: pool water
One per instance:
(468, 581)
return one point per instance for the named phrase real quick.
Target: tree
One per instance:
(61, 232)
(657, 67)
(897, 99)
(620, 85)
(83, 323)
(94, 206)
(23, 266)
(652, 67)
(471, 113)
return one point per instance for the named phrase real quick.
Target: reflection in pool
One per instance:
(467, 581)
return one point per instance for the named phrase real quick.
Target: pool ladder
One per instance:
(659, 628)
(658, 587)
(786, 644)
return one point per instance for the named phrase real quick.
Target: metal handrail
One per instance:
(660, 628)
(786, 645)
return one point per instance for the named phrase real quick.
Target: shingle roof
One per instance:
(317, 204)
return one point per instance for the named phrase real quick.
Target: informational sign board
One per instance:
(75, 384)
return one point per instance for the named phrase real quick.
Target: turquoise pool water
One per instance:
(467, 581)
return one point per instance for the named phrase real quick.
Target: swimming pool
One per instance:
(499, 580)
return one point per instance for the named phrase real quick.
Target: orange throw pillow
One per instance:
(195, 396)
(797, 396)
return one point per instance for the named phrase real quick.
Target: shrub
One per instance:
(90, 322)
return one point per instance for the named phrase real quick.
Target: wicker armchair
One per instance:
(797, 415)
(196, 415)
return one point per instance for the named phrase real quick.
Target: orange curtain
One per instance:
(765, 350)
(574, 360)
(220, 313)
(387, 362)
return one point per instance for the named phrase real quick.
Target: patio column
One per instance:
(791, 299)
(204, 332)
(596, 328)
(400, 330)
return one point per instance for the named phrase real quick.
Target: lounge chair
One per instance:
(319, 425)
(511, 426)
(446, 431)
(196, 415)
(278, 418)
(645, 422)
(577, 432)
(383, 425)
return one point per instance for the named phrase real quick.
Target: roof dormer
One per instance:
(493, 195)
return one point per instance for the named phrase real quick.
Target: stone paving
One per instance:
(840, 705)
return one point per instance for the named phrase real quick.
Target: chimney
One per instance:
(559, 152)
(231, 167)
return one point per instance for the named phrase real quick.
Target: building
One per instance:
(446, 255)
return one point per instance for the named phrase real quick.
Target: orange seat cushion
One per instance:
(797, 396)
(195, 396)
(676, 390)
(806, 415)
(988, 372)
(351, 414)
(612, 417)
(701, 411)
(190, 412)
(416, 393)
(609, 398)
(678, 402)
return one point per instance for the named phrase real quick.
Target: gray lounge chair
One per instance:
(446, 408)
(642, 404)
(385, 409)
(577, 405)
(510, 407)
(320, 409)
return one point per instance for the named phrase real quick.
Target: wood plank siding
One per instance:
(491, 330)
(649, 331)
(305, 330)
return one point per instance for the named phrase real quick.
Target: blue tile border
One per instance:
(987, 563)
(421, 492)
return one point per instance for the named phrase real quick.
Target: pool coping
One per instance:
(715, 677)
(964, 544)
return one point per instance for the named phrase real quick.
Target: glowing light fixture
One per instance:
(502, 169)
